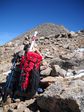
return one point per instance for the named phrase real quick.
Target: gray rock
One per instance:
(66, 46)
(56, 61)
(70, 73)
(65, 95)
(41, 41)
(57, 70)
(21, 107)
(42, 68)
(46, 72)
(17, 100)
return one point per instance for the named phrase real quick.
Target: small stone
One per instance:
(21, 107)
(42, 38)
(9, 100)
(5, 108)
(17, 100)
(42, 68)
(27, 110)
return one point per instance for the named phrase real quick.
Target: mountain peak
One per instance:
(47, 29)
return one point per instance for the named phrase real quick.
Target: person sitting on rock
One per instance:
(26, 43)
(26, 40)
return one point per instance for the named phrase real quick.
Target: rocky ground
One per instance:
(62, 69)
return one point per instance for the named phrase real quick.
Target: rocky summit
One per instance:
(62, 70)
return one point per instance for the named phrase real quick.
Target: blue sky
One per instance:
(19, 16)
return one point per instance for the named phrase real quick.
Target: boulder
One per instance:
(9, 44)
(58, 71)
(67, 56)
(56, 61)
(46, 72)
(65, 95)
(79, 55)
(10, 107)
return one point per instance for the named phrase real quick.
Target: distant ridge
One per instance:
(46, 30)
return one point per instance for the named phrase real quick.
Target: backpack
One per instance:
(29, 79)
